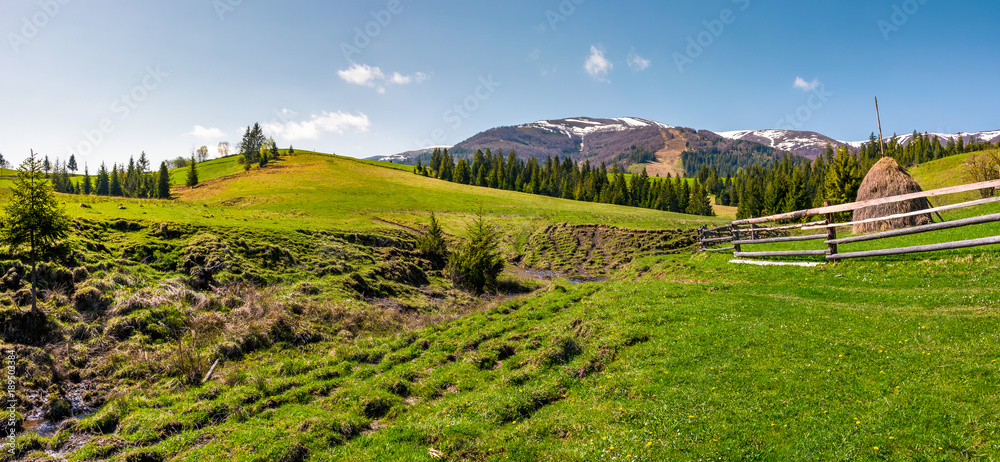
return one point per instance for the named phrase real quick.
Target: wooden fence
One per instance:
(749, 232)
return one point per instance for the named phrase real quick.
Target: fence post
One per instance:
(831, 232)
(701, 238)
(734, 230)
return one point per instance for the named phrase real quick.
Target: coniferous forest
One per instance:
(765, 187)
(565, 179)
(834, 176)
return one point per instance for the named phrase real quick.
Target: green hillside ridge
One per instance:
(338, 341)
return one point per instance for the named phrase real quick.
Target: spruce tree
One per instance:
(843, 178)
(432, 245)
(34, 219)
(192, 177)
(115, 188)
(87, 186)
(72, 163)
(163, 182)
(477, 264)
(274, 149)
(103, 181)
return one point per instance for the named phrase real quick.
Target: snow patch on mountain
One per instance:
(583, 126)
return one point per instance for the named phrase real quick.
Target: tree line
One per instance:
(795, 183)
(565, 179)
(134, 180)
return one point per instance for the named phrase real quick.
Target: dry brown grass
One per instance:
(886, 179)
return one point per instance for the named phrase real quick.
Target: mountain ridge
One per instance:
(660, 145)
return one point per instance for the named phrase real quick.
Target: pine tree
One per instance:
(103, 181)
(163, 183)
(461, 174)
(87, 186)
(115, 189)
(843, 178)
(47, 166)
(477, 264)
(432, 244)
(72, 163)
(274, 149)
(34, 219)
(699, 203)
(192, 177)
(130, 181)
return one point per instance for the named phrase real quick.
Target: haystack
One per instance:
(887, 179)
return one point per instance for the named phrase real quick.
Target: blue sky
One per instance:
(106, 79)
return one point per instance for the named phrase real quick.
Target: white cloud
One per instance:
(361, 74)
(369, 76)
(535, 54)
(400, 79)
(329, 122)
(206, 133)
(637, 63)
(597, 66)
(801, 84)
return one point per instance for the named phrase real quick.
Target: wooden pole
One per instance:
(878, 116)
(831, 232)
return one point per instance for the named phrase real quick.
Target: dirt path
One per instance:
(399, 225)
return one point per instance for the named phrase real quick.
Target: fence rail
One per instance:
(746, 232)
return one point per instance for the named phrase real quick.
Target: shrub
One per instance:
(477, 264)
(984, 167)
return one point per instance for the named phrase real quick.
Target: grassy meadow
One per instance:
(337, 341)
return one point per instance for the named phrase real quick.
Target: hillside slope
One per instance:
(343, 193)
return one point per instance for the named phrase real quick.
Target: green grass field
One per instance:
(680, 358)
(677, 356)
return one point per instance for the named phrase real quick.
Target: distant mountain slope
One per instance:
(811, 144)
(806, 144)
(655, 146)
(407, 157)
(579, 138)
(660, 148)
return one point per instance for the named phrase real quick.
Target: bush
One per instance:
(984, 167)
(477, 264)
